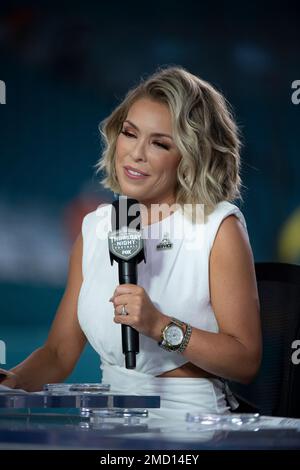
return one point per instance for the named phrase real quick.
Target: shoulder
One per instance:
(226, 217)
(96, 214)
(231, 240)
(224, 209)
(96, 220)
(95, 227)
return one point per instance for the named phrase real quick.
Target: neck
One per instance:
(155, 211)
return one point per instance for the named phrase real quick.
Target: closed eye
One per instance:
(128, 134)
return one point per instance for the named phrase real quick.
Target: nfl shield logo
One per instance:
(125, 244)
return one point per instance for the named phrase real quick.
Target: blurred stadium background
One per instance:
(66, 65)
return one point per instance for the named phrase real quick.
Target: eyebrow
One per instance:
(156, 134)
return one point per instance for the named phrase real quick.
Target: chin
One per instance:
(135, 193)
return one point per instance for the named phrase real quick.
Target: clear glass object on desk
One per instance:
(72, 389)
(90, 388)
(57, 389)
(128, 417)
(120, 412)
(230, 420)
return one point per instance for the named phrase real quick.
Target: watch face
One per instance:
(174, 335)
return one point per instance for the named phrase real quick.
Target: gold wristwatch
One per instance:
(175, 336)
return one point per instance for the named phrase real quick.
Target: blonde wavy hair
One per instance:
(204, 132)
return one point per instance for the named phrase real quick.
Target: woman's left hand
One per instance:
(142, 315)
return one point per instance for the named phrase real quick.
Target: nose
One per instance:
(138, 152)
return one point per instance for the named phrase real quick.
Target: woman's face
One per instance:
(141, 148)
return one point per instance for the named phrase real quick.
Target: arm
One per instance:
(55, 360)
(235, 351)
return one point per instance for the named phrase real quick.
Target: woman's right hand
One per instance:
(9, 379)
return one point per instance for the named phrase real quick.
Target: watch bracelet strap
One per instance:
(167, 348)
(178, 322)
(186, 338)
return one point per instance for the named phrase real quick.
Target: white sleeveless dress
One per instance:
(177, 282)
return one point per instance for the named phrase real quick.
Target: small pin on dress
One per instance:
(165, 244)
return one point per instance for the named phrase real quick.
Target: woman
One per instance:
(172, 142)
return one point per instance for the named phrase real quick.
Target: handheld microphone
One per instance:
(126, 247)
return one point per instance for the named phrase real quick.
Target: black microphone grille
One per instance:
(125, 213)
